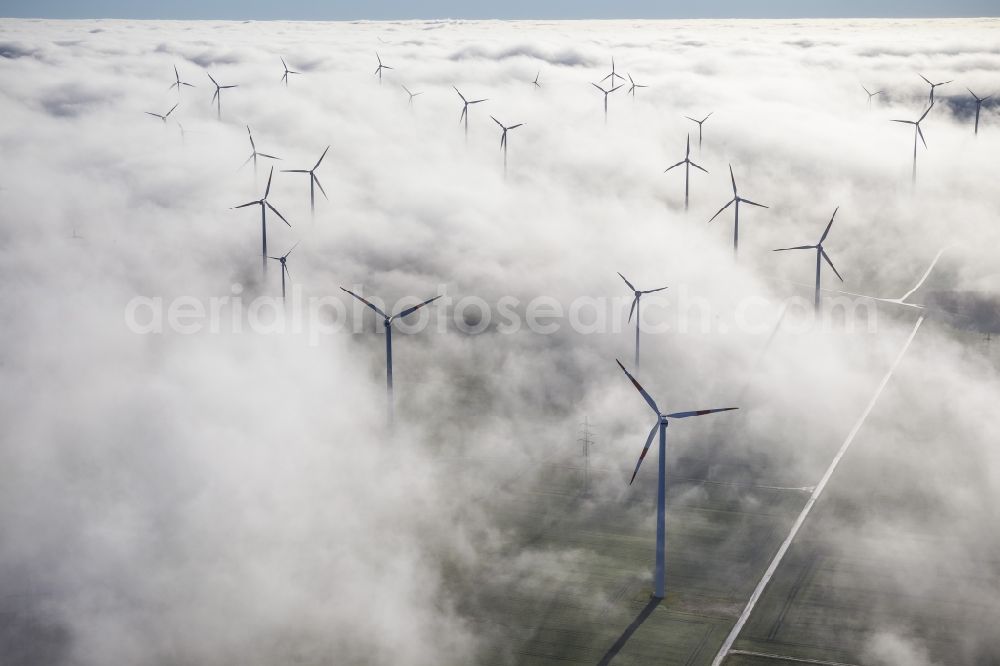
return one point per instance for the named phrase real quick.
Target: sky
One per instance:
(515, 9)
(232, 495)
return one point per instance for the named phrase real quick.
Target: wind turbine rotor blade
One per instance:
(638, 387)
(925, 79)
(615, 88)
(692, 119)
(498, 122)
(411, 310)
(284, 267)
(514, 126)
(925, 114)
(252, 203)
(827, 230)
(269, 177)
(216, 94)
(732, 178)
(653, 291)
(708, 116)
(825, 256)
(921, 133)
(372, 306)
(731, 202)
(292, 248)
(248, 161)
(645, 449)
(189, 85)
(905, 122)
(697, 167)
(250, 134)
(599, 87)
(459, 94)
(747, 201)
(700, 412)
(235, 85)
(295, 171)
(797, 247)
(477, 101)
(270, 157)
(316, 180)
(635, 302)
(213, 80)
(674, 166)
(627, 282)
(275, 211)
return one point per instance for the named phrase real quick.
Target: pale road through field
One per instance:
(820, 487)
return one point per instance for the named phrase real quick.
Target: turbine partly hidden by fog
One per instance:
(192, 473)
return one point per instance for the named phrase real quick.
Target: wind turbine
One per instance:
(387, 323)
(871, 94)
(737, 199)
(606, 93)
(635, 310)
(313, 181)
(264, 205)
(917, 132)
(503, 141)
(979, 105)
(465, 110)
(820, 255)
(411, 94)
(613, 74)
(217, 97)
(284, 76)
(178, 83)
(163, 116)
(687, 169)
(535, 82)
(631, 90)
(380, 67)
(254, 154)
(700, 123)
(662, 421)
(284, 269)
(933, 86)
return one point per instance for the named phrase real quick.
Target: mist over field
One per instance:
(232, 494)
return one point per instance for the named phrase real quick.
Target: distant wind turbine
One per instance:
(535, 82)
(700, 123)
(820, 255)
(217, 97)
(162, 116)
(613, 75)
(284, 269)
(465, 110)
(254, 154)
(687, 169)
(871, 94)
(264, 205)
(411, 94)
(284, 77)
(631, 90)
(178, 83)
(917, 132)
(380, 67)
(737, 199)
(637, 294)
(662, 420)
(606, 93)
(313, 181)
(933, 86)
(387, 324)
(503, 141)
(979, 105)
